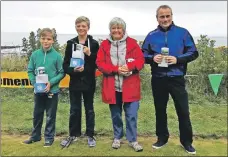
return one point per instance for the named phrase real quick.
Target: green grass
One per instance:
(11, 146)
(209, 122)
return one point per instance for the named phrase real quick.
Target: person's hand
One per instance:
(158, 58)
(86, 50)
(171, 60)
(120, 71)
(124, 68)
(79, 69)
(47, 88)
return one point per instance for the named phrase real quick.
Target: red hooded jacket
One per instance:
(131, 85)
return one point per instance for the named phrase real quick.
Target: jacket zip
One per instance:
(118, 63)
(166, 44)
(45, 57)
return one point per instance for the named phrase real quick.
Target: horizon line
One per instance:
(107, 34)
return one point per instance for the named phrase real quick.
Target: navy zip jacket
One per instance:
(181, 45)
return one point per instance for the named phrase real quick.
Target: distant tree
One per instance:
(55, 44)
(25, 45)
(62, 49)
(211, 61)
(38, 38)
(33, 42)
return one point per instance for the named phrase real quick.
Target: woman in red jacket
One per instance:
(120, 59)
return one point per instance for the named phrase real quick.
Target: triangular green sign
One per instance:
(215, 80)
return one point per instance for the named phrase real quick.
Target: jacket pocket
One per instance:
(132, 87)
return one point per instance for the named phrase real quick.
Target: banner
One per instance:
(21, 80)
(215, 80)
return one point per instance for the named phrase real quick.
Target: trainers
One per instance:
(136, 146)
(159, 144)
(116, 144)
(66, 142)
(189, 149)
(30, 141)
(91, 142)
(48, 143)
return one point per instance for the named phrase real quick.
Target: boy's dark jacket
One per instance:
(85, 80)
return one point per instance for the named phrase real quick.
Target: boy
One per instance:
(50, 61)
(82, 81)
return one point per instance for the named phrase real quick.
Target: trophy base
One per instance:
(39, 87)
(76, 62)
(163, 63)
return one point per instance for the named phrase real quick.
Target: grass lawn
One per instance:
(11, 146)
(209, 122)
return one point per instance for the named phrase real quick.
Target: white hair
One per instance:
(117, 21)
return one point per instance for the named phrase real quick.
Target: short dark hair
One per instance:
(163, 7)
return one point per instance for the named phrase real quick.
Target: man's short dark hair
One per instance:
(163, 7)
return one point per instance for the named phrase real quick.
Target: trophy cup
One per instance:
(41, 80)
(128, 61)
(77, 59)
(164, 52)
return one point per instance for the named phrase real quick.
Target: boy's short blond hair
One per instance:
(83, 19)
(44, 31)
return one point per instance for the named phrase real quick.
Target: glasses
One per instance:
(165, 16)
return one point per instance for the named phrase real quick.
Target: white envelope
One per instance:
(163, 63)
(42, 78)
(79, 51)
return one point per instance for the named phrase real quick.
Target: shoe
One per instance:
(159, 144)
(91, 142)
(48, 143)
(30, 141)
(136, 146)
(66, 142)
(189, 149)
(116, 144)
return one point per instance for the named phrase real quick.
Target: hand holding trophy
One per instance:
(77, 59)
(164, 53)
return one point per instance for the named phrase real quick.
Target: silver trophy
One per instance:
(164, 52)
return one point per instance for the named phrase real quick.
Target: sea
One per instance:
(15, 39)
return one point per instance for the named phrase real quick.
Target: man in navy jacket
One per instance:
(175, 47)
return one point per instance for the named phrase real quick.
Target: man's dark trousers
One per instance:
(175, 86)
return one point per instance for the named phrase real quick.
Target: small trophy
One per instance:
(128, 61)
(41, 80)
(77, 59)
(164, 52)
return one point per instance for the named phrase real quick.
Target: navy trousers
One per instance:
(43, 102)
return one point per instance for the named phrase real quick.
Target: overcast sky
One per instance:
(204, 17)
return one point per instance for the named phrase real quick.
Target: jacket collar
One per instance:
(88, 37)
(115, 42)
(163, 30)
(48, 50)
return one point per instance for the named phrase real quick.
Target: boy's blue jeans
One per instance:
(43, 102)
(131, 112)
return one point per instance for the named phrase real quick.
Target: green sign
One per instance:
(215, 80)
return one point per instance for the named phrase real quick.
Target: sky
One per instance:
(199, 17)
